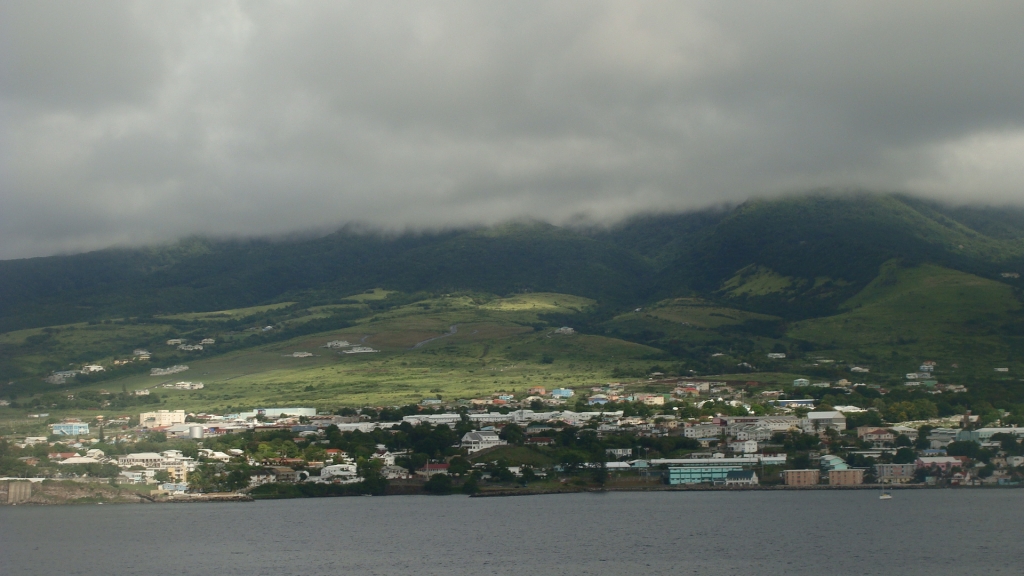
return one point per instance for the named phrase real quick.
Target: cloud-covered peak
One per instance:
(138, 122)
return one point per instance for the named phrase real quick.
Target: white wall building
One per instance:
(476, 441)
(161, 418)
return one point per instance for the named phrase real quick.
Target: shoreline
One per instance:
(137, 498)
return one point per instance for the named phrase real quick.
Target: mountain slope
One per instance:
(795, 257)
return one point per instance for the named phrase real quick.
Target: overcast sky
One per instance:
(125, 123)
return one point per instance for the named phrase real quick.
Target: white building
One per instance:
(821, 421)
(744, 446)
(144, 459)
(339, 472)
(161, 418)
(476, 441)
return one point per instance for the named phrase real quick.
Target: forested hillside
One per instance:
(795, 257)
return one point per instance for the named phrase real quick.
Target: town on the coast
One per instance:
(652, 434)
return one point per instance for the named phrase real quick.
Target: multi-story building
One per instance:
(801, 477)
(702, 431)
(70, 428)
(144, 459)
(161, 418)
(700, 474)
(849, 477)
(894, 473)
(821, 421)
(476, 441)
(879, 437)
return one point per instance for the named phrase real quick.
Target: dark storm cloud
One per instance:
(135, 122)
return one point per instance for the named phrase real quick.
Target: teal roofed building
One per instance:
(833, 462)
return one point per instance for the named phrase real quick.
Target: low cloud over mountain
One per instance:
(138, 122)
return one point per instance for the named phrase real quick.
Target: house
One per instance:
(801, 382)
(743, 446)
(539, 441)
(476, 441)
(175, 342)
(741, 478)
(619, 452)
(562, 393)
(429, 469)
(565, 330)
(537, 391)
(878, 437)
(910, 433)
(944, 463)
(386, 457)
(894, 473)
(339, 472)
(207, 341)
(833, 462)
(941, 437)
(801, 477)
(137, 476)
(395, 473)
(59, 456)
(702, 430)
(650, 399)
(600, 399)
(89, 368)
(848, 477)
(174, 488)
(755, 432)
(283, 474)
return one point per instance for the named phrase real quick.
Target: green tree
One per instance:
(904, 456)
(471, 486)
(440, 484)
(459, 466)
(513, 434)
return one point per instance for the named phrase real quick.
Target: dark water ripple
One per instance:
(931, 532)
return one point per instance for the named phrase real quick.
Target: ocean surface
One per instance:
(709, 533)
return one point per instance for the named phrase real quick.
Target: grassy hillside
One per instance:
(925, 312)
(493, 347)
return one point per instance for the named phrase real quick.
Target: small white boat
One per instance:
(886, 495)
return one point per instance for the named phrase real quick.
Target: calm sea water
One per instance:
(709, 533)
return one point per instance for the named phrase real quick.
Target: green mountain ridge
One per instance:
(828, 246)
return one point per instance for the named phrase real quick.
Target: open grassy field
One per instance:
(229, 314)
(449, 347)
(701, 314)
